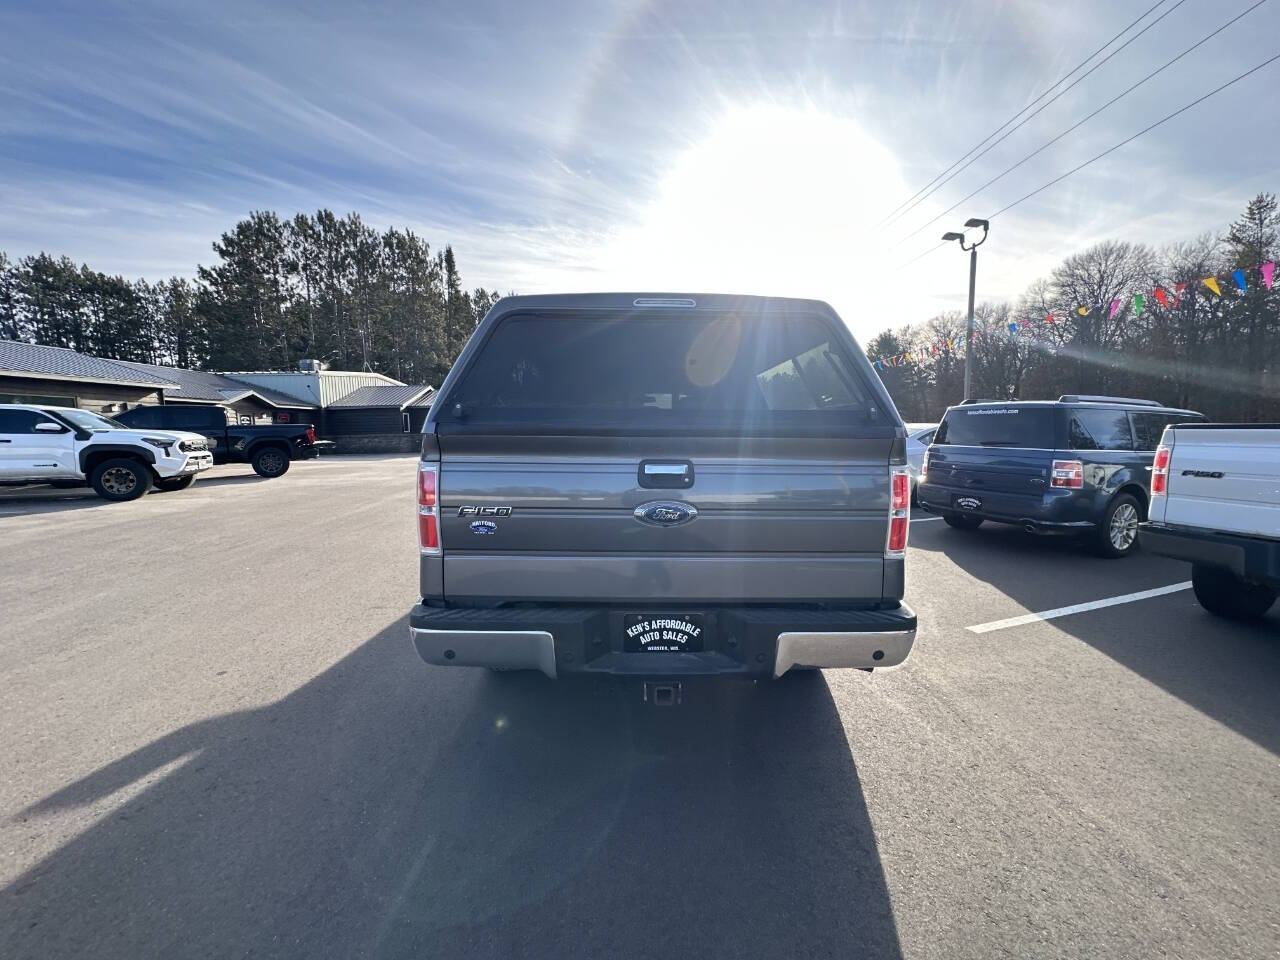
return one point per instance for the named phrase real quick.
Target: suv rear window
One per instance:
(705, 370)
(1010, 426)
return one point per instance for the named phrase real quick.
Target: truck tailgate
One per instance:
(781, 519)
(1223, 478)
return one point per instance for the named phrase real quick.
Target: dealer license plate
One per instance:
(967, 502)
(662, 633)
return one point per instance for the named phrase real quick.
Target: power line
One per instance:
(1066, 76)
(1044, 146)
(1144, 130)
(920, 256)
(1027, 119)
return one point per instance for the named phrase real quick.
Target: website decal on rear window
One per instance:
(1013, 426)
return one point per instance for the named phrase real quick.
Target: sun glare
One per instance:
(774, 200)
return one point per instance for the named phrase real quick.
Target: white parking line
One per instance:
(924, 519)
(1078, 608)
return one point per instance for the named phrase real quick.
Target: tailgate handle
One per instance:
(666, 474)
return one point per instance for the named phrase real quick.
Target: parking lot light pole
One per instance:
(971, 224)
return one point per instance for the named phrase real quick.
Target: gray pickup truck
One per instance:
(661, 487)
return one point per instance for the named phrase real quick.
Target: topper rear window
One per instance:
(660, 370)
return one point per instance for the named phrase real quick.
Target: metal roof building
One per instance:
(319, 388)
(398, 397)
(36, 361)
(203, 386)
(339, 402)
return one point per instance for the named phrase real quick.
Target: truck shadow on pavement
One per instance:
(390, 809)
(1228, 671)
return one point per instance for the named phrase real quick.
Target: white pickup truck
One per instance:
(67, 447)
(1215, 501)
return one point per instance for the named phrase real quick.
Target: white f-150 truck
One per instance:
(64, 446)
(1215, 501)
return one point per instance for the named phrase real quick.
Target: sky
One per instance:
(752, 147)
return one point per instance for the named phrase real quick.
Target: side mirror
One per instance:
(48, 426)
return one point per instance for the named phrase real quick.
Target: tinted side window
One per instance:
(1149, 427)
(194, 419)
(1100, 430)
(140, 417)
(20, 421)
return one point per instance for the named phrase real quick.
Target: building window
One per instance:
(37, 400)
(404, 422)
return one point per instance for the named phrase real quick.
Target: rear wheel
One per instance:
(1224, 594)
(121, 479)
(1117, 535)
(175, 483)
(962, 522)
(270, 462)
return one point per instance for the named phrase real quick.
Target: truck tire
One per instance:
(1224, 594)
(1117, 534)
(174, 483)
(121, 479)
(270, 462)
(962, 522)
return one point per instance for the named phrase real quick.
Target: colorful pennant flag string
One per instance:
(1162, 296)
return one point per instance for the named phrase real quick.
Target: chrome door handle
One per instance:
(666, 474)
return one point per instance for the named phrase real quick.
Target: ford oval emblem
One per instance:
(665, 513)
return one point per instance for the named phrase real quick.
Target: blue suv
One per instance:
(1080, 464)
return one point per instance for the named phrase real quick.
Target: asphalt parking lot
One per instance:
(217, 741)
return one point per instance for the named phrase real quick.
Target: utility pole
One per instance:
(971, 224)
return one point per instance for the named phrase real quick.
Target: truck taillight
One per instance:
(1160, 473)
(901, 491)
(428, 508)
(899, 503)
(310, 434)
(1068, 474)
(427, 485)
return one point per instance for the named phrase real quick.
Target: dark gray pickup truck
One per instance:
(662, 487)
(268, 448)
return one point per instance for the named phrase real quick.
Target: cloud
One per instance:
(577, 145)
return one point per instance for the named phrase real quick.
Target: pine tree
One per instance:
(11, 327)
(1254, 315)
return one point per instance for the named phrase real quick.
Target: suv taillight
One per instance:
(899, 503)
(1160, 473)
(1068, 474)
(310, 434)
(924, 463)
(428, 508)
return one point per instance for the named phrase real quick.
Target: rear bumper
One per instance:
(308, 452)
(1249, 558)
(750, 642)
(1057, 511)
